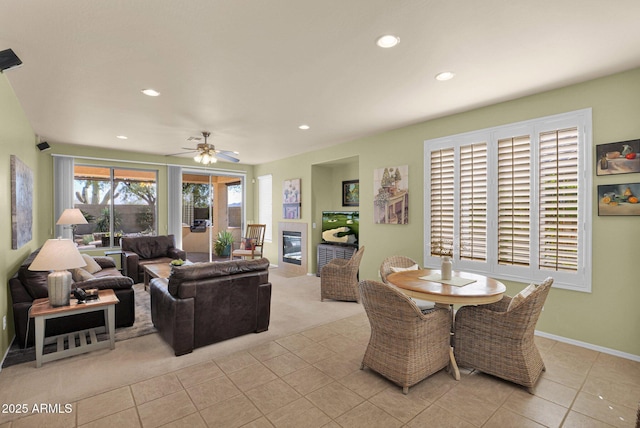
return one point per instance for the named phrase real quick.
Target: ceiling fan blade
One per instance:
(226, 157)
(183, 153)
(227, 152)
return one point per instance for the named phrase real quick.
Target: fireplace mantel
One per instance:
(290, 268)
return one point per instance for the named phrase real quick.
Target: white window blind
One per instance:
(265, 205)
(513, 201)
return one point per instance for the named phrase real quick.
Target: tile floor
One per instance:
(312, 379)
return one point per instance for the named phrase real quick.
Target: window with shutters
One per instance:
(513, 202)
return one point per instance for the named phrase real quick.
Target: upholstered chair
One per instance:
(498, 339)
(406, 345)
(339, 278)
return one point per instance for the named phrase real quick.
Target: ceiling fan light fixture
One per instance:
(198, 158)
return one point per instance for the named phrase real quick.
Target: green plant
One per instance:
(223, 243)
(102, 224)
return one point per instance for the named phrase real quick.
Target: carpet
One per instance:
(141, 327)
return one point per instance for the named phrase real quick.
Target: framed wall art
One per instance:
(391, 195)
(618, 158)
(351, 193)
(291, 199)
(21, 203)
(618, 199)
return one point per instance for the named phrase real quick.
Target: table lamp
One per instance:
(58, 255)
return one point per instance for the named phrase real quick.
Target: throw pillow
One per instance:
(400, 269)
(519, 298)
(92, 266)
(248, 244)
(80, 275)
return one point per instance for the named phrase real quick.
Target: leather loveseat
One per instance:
(141, 250)
(205, 303)
(26, 286)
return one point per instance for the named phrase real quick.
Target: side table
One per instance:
(41, 310)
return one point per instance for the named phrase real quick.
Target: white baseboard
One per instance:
(589, 346)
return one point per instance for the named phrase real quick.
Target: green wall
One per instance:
(608, 317)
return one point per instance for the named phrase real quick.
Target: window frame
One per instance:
(581, 279)
(265, 204)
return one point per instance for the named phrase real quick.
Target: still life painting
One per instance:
(618, 158)
(619, 199)
(391, 195)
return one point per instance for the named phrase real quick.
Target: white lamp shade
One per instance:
(72, 216)
(58, 254)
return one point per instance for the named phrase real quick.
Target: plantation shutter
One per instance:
(473, 201)
(514, 200)
(442, 201)
(558, 200)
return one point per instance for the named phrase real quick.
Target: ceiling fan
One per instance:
(206, 153)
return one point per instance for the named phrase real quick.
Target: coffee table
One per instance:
(155, 270)
(41, 311)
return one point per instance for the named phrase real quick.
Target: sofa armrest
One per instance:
(131, 265)
(106, 283)
(264, 307)
(105, 261)
(173, 317)
(176, 253)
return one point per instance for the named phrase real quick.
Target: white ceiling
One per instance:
(251, 71)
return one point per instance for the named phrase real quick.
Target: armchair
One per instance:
(339, 278)
(406, 345)
(395, 264)
(497, 339)
(141, 250)
(255, 238)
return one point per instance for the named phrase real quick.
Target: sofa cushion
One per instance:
(79, 275)
(106, 282)
(92, 266)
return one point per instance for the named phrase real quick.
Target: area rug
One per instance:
(140, 327)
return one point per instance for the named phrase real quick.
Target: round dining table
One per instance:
(425, 284)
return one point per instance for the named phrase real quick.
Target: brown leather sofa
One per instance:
(141, 250)
(26, 286)
(205, 303)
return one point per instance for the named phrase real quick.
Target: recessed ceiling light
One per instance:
(121, 137)
(151, 92)
(445, 75)
(304, 127)
(387, 41)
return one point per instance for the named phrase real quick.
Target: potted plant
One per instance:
(223, 244)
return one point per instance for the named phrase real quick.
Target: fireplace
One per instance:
(292, 247)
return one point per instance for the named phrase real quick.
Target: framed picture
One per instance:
(351, 193)
(619, 199)
(291, 199)
(291, 211)
(391, 195)
(21, 203)
(618, 158)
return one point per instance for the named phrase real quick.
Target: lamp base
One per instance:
(59, 286)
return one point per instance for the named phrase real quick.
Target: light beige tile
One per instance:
(555, 392)
(125, 419)
(156, 387)
(334, 399)
(307, 379)
(615, 392)
(234, 412)
(252, 376)
(272, 396)
(235, 362)
(400, 406)
(332, 424)
(604, 411)
(337, 343)
(262, 422)
(576, 352)
(213, 391)
(544, 343)
(285, 364)
(578, 420)
(105, 404)
(365, 383)
(166, 409)
(58, 420)
(506, 418)
(268, 351)
(536, 408)
(318, 334)
(433, 387)
(338, 366)
(366, 415)
(359, 335)
(295, 342)
(563, 374)
(314, 353)
(483, 386)
(436, 416)
(193, 420)
(300, 413)
(470, 407)
(198, 373)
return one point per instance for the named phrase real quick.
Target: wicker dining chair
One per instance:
(499, 340)
(402, 262)
(339, 278)
(406, 346)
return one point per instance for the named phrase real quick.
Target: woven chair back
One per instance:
(394, 261)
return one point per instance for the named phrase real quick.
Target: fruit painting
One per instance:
(618, 158)
(619, 199)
